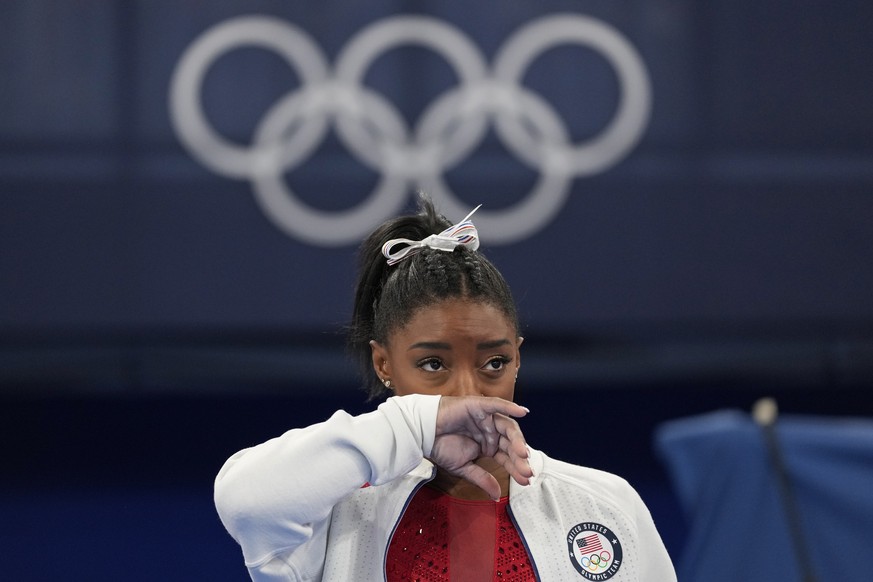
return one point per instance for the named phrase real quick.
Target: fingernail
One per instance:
(525, 408)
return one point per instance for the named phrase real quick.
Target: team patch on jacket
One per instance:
(594, 550)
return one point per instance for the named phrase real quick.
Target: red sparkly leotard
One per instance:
(445, 538)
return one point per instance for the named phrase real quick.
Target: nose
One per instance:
(465, 384)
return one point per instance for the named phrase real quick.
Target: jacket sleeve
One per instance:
(656, 565)
(277, 496)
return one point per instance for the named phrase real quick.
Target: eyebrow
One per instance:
(492, 344)
(489, 345)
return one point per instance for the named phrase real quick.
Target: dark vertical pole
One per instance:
(765, 412)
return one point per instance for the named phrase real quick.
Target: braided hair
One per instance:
(387, 297)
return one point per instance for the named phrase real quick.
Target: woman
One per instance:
(438, 482)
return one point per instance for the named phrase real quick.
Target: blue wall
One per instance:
(738, 197)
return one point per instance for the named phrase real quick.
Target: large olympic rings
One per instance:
(377, 135)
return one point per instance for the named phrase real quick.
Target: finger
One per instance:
(472, 414)
(518, 468)
(494, 405)
(454, 451)
(513, 452)
(494, 422)
(511, 437)
(481, 478)
(498, 432)
(488, 444)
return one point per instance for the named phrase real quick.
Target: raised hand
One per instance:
(471, 427)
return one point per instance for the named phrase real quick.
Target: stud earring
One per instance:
(387, 383)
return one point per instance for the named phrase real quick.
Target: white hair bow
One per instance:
(462, 233)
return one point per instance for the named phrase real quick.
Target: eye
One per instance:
(496, 364)
(431, 365)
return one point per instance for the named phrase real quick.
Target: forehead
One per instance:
(456, 318)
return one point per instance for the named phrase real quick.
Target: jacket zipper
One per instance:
(415, 489)
(514, 521)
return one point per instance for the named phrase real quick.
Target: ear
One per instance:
(518, 343)
(380, 360)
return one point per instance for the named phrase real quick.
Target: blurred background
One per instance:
(678, 192)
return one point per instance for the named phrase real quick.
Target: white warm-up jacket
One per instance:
(296, 504)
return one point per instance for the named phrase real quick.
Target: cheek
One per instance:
(403, 383)
(504, 388)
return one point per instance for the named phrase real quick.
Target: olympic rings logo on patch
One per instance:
(594, 551)
(378, 136)
(596, 562)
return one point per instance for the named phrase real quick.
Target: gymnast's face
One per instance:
(455, 347)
